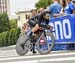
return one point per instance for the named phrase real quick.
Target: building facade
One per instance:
(22, 17)
(5, 6)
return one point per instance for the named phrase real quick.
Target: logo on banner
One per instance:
(62, 29)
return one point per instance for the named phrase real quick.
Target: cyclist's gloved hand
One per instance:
(49, 27)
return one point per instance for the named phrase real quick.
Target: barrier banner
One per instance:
(64, 29)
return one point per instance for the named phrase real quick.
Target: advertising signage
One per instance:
(64, 29)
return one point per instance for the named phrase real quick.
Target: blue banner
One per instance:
(64, 28)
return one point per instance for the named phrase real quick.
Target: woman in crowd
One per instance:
(74, 6)
(63, 3)
(69, 9)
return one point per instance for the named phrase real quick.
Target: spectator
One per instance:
(25, 27)
(55, 8)
(40, 10)
(73, 2)
(33, 13)
(28, 16)
(69, 9)
(63, 3)
(74, 6)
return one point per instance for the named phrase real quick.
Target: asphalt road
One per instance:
(9, 55)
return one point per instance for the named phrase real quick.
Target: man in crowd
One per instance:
(55, 8)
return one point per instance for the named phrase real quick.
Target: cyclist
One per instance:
(41, 19)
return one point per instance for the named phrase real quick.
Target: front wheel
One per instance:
(43, 44)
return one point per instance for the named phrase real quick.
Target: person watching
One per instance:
(69, 9)
(33, 14)
(74, 6)
(55, 8)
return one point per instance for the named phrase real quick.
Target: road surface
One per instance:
(9, 55)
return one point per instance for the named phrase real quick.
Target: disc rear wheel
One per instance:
(21, 45)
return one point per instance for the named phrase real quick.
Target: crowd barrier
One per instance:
(64, 32)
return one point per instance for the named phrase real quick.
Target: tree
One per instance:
(4, 22)
(43, 3)
(13, 23)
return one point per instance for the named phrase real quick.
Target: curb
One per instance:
(8, 47)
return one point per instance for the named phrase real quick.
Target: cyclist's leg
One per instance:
(34, 29)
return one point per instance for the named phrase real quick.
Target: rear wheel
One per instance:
(43, 44)
(21, 45)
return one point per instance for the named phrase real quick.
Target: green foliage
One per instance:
(1, 39)
(13, 23)
(9, 37)
(4, 38)
(43, 3)
(9, 32)
(4, 22)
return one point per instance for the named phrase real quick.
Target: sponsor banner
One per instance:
(64, 28)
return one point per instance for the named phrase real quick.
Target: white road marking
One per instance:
(38, 56)
(44, 60)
